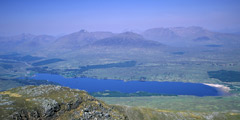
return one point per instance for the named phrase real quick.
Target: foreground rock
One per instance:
(49, 102)
(53, 102)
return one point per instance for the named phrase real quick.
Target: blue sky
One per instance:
(55, 17)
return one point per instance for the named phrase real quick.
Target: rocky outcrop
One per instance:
(49, 102)
(53, 102)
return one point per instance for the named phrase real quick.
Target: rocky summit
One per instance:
(54, 102)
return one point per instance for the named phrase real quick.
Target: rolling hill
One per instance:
(126, 40)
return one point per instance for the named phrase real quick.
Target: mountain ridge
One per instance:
(79, 39)
(189, 36)
(151, 38)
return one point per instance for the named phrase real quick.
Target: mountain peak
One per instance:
(129, 35)
(82, 31)
(127, 40)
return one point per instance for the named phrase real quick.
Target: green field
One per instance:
(180, 103)
(139, 65)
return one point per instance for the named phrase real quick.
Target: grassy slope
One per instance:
(138, 113)
(186, 103)
(32, 98)
(153, 65)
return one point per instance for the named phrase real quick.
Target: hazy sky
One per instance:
(55, 17)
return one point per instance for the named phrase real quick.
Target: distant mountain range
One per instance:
(127, 39)
(151, 38)
(25, 42)
(190, 36)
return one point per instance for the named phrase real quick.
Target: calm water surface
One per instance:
(96, 85)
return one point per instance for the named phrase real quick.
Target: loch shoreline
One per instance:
(222, 89)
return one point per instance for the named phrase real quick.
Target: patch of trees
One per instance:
(48, 61)
(225, 76)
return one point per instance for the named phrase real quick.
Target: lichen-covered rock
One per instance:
(53, 102)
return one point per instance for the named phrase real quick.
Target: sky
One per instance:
(56, 17)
